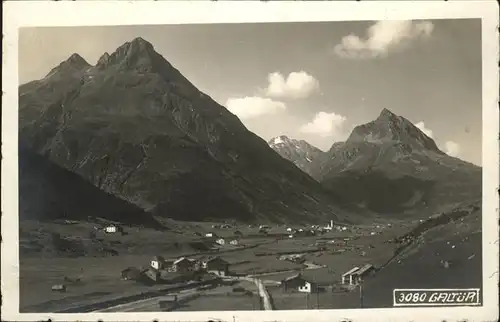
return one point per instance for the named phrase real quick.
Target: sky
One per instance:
(310, 80)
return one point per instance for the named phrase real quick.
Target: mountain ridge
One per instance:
(299, 152)
(389, 166)
(136, 128)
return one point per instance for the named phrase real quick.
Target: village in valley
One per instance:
(242, 267)
(208, 273)
(163, 270)
(204, 266)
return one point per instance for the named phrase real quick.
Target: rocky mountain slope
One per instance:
(134, 127)
(48, 192)
(301, 153)
(389, 166)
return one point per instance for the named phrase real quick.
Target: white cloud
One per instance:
(325, 124)
(382, 38)
(452, 148)
(421, 126)
(296, 85)
(254, 106)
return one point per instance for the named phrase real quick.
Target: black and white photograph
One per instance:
(231, 166)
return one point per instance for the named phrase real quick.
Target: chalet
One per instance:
(183, 264)
(59, 288)
(355, 275)
(347, 276)
(220, 241)
(294, 258)
(110, 229)
(158, 262)
(217, 266)
(296, 283)
(363, 272)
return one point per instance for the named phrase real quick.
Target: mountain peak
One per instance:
(139, 41)
(299, 152)
(103, 61)
(76, 59)
(279, 140)
(387, 114)
(137, 54)
(74, 63)
(139, 46)
(395, 122)
(389, 127)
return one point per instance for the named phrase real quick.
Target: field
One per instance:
(304, 301)
(222, 302)
(224, 298)
(100, 278)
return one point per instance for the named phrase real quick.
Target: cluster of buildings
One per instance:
(221, 241)
(294, 258)
(161, 267)
(300, 232)
(299, 283)
(222, 226)
(314, 229)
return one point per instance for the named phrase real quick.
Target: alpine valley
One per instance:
(134, 186)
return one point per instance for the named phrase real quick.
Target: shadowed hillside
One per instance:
(48, 192)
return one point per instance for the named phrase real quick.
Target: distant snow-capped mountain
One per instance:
(301, 153)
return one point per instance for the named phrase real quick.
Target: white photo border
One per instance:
(113, 13)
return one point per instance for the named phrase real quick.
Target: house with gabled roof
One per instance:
(183, 264)
(158, 262)
(297, 283)
(216, 265)
(355, 275)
